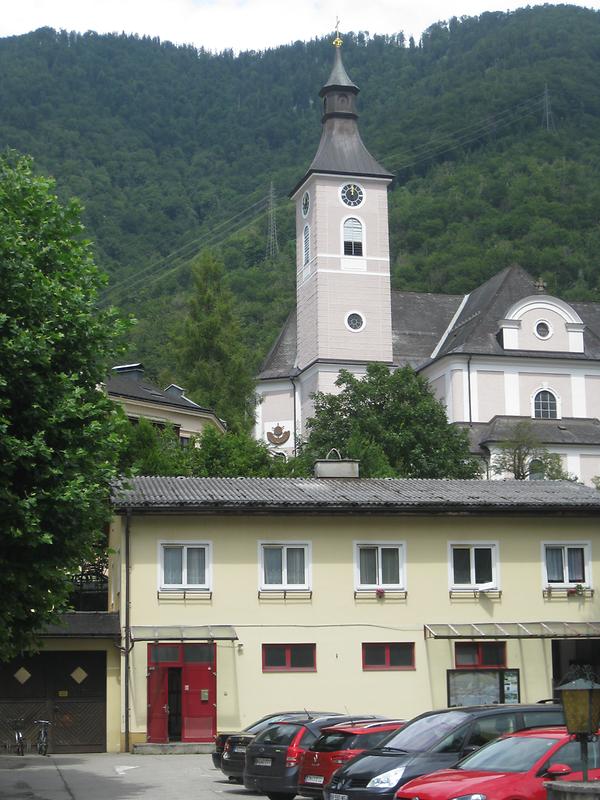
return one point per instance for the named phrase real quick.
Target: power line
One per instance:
(491, 126)
(178, 254)
(209, 240)
(469, 133)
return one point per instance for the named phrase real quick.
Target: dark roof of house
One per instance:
(84, 624)
(420, 320)
(136, 387)
(567, 431)
(338, 495)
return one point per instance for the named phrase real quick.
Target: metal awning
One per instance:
(513, 630)
(182, 633)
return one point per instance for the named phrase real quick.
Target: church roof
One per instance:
(338, 77)
(341, 150)
(420, 322)
(564, 431)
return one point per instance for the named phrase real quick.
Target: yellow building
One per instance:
(242, 596)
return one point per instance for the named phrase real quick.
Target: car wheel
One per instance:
(234, 779)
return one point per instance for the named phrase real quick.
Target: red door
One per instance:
(158, 708)
(198, 703)
(196, 696)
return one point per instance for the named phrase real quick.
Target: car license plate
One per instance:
(335, 796)
(263, 762)
(239, 749)
(314, 779)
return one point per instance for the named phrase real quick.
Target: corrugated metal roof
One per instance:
(347, 495)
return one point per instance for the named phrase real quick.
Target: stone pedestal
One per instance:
(565, 790)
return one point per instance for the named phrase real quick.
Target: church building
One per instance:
(507, 351)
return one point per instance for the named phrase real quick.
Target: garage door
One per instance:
(67, 688)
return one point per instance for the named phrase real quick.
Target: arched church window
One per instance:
(353, 237)
(306, 245)
(544, 405)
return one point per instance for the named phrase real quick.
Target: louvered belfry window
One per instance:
(353, 237)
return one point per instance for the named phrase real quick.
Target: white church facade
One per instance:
(504, 352)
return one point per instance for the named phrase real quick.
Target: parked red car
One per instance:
(512, 768)
(336, 745)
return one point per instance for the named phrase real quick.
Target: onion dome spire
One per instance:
(341, 150)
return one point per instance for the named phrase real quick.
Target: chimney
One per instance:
(133, 371)
(339, 467)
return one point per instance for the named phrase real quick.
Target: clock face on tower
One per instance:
(305, 203)
(352, 194)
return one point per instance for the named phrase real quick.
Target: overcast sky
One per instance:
(238, 24)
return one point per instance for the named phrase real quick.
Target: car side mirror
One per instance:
(556, 770)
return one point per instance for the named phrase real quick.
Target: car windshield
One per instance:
(264, 723)
(426, 732)
(515, 754)
(281, 733)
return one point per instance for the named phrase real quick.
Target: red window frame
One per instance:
(387, 666)
(287, 667)
(479, 663)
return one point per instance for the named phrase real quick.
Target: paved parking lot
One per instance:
(107, 776)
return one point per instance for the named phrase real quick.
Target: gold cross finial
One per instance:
(337, 42)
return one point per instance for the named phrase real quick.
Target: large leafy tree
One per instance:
(216, 366)
(58, 435)
(391, 422)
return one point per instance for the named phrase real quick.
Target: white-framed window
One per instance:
(379, 565)
(353, 237)
(284, 566)
(545, 405)
(473, 565)
(185, 565)
(306, 245)
(566, 564)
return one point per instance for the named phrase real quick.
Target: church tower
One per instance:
(343, 267)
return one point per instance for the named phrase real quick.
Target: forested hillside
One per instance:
(171, 150)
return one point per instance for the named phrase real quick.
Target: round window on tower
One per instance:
(355, 321)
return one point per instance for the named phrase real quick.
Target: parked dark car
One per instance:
(515, 766)
(274, 756)
(431, 741)
(233, 755)
(336, 745)
(246, 734)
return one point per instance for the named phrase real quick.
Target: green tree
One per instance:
(58, 432)
(233, 454)
(157, 451)
(215, 365)
(525, 457)
(391, 422)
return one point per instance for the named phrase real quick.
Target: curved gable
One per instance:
(544, 323)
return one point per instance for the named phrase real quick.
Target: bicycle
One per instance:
(42, 737)
(17, 724)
